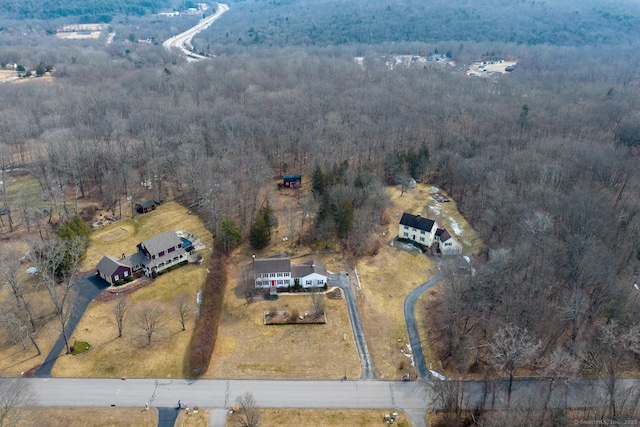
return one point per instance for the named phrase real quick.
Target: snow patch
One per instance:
(435, 189)
(437, 375)
(466, 258)
(455, 227)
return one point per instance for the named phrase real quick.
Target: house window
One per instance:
(161, 253)
(126, 273)
(406, 227)
(280, 282)
(422, 239)
(320, 282)
(309, 282)
(287, 274)
(405, 234)
(421, 231)
(116, 277)
(447, 244)
(279, 274)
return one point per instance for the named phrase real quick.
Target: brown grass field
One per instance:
(94, 417)
(122, 236)
(201, 419)
(129, 355)
(327, 417)
(388, 277)
(246, 348)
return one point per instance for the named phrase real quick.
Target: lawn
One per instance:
(388, 277)
(94, 417)
(327, 417)
(246, 348)
(201, 419)
(122, 236)
(129, 355)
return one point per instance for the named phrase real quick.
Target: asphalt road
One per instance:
(412, 329)
(182, 40)
(87, 288)
(342, 281)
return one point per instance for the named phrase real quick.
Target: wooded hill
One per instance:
(336, 22)
(79, 10)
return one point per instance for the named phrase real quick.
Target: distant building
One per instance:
(292, 181)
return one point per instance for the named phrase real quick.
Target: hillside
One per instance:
(79, 10)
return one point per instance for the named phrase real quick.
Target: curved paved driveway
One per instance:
(342, 281)
(412, 328)
(87, 288)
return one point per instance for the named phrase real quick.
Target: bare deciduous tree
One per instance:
(48, 257)
(151, 317)
(15, 396)
(183, 309)
(120, 310)
(614, 345)
(511, 349)
(247, 414)
(317, 302)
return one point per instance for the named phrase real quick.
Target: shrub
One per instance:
(128, 279)
(118, 282)
(294, 315)
(206, 328)
(79, 347)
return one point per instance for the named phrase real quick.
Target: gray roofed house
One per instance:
(113, 269)
(279, 273)
(307, 268)
(154, 255)
(165, 242)
(271, 265)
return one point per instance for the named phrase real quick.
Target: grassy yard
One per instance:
(130, 355)
(327, 417)
(388, 277)
(94, 417)
(246, 348)
(201, 419)
(122, 236)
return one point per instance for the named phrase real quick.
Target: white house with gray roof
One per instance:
(279, 273)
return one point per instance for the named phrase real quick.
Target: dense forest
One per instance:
(543, 162)
(336, 22)
(81, 11)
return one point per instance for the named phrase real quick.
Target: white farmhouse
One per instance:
(279, 273)
(427, 232)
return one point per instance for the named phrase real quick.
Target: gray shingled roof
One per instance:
(108, 265)
(307, 268)
(162, 242)
(271, 265)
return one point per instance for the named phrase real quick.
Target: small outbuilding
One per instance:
(146, 206)
(292, 181)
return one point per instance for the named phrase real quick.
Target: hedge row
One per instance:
(206, 329)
